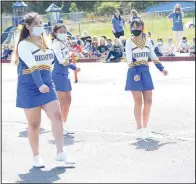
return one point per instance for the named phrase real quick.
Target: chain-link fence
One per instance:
(77, 23)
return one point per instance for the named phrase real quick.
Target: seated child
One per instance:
(116, 51)
(160, 48)
(123, 42)
(68, 40)
(170, 48)
(95, 52)
(87, 50)
(192, 49)
(109, 43)
(79, 41)
(102, 48)
(184, 45)
(84, 38)
(76, 49)
(149, 36)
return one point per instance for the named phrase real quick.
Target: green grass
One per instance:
(160, 28)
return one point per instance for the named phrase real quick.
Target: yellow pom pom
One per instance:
(20, 27)
(50, 37)
(145, 31)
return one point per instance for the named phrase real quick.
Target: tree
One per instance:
(107, 8)
(6, 6)
(141, 6)
(73, 7)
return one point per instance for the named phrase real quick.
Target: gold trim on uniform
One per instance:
(65, 63)
(141, 44)
(156, 61)
(39, 67)
(44, 67)
(137, 63)
(42, 47)
(29, 70)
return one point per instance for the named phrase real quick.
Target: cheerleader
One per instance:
(139, 51)
(35, 88)
(60, 74)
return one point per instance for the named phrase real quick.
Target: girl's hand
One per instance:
(136, 78)
(165, 72)
(78, 70)
(44, 89)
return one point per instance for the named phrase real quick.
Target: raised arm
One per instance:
(170, 16)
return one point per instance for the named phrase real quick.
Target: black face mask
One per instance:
(136, 32)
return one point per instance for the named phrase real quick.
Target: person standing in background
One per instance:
(176, 16)
(134, 15)
(118, 24)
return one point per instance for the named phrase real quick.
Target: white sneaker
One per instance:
(63, 157)
(38, 162)
(147, 133)
(139, 133)
(66, 131)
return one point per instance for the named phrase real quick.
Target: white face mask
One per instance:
(87, 43)
(61, 36)
(37, 31)
(159, 43)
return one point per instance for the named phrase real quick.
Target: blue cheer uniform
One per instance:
(34, 70)
(60, 73)
(138, 56)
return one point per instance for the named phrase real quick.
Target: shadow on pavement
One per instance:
(149, 144)
(24, 133)
(68, 140)
(36, 175)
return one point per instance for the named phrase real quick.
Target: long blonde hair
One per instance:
(116, 40)
(134, 12)
(24, 33)
(179, 6)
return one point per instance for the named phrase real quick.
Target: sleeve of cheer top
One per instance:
(62, 59)
(129, 56)
(154, 57)
(27, 57)
(72, 66)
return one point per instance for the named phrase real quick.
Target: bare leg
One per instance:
(65, 101)
(66, 106)
(147, 95)
(137, 96)
(33, 116)
(53, 112)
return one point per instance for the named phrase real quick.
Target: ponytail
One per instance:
(22, 35)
